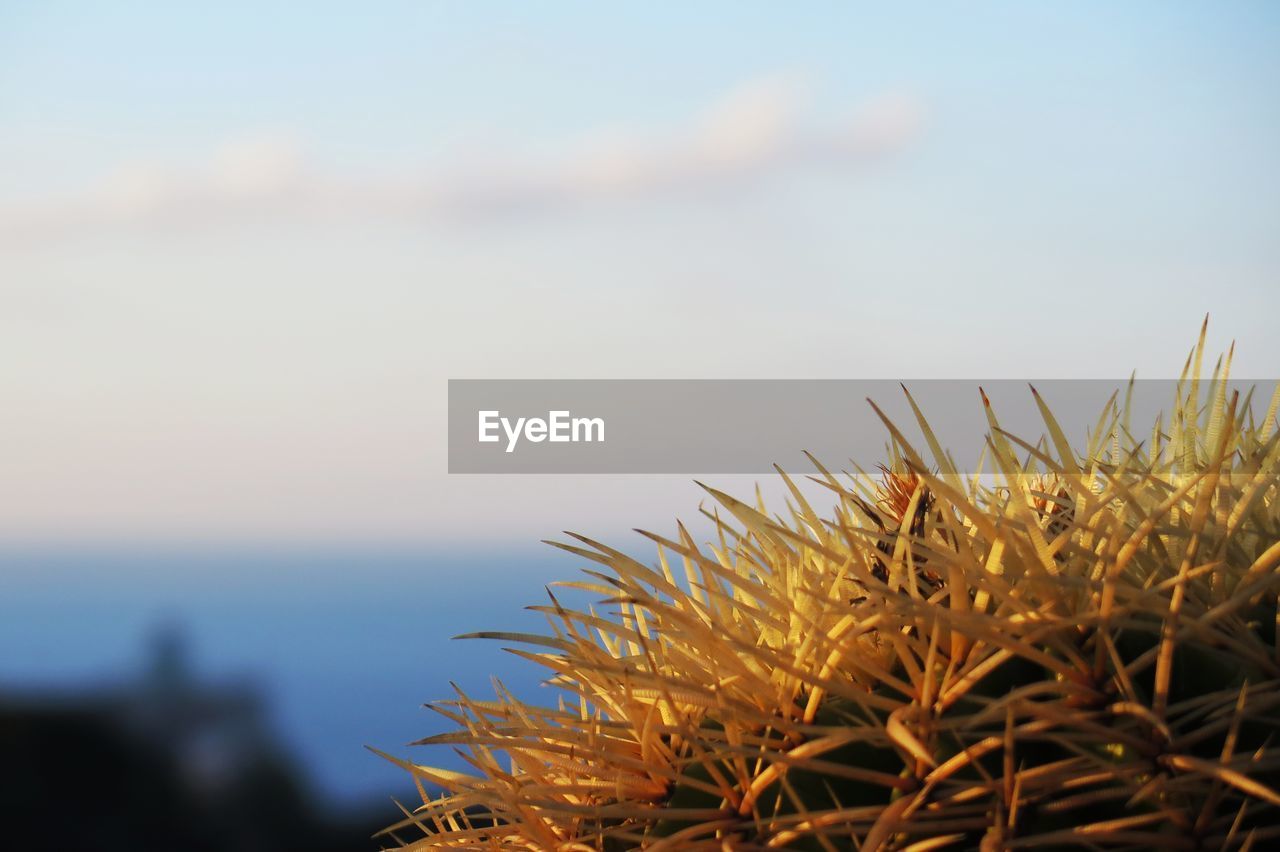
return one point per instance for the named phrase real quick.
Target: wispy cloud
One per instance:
(756, 130)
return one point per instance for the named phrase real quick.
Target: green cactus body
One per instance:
(1081, 656)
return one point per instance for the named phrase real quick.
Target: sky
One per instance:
(244, 246)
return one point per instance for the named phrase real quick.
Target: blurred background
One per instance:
(243, 246)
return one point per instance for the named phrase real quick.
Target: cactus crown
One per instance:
(1078, 649)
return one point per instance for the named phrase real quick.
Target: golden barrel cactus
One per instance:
(1077, 649)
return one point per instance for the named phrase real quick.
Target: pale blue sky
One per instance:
(243, 245)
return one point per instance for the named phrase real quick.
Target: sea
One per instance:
(345, 644)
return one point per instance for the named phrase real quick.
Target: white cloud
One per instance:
(755, 130)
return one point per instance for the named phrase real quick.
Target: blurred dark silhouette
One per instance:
(165, 763)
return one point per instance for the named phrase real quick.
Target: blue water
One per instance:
(347, 644)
